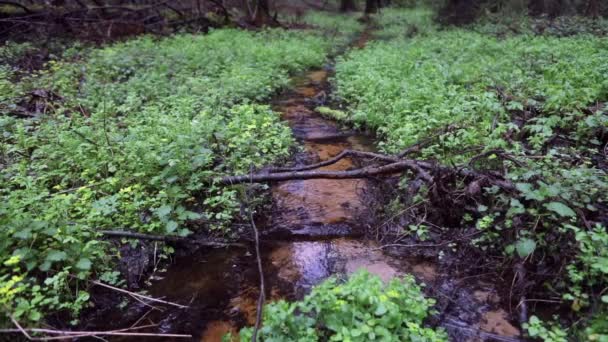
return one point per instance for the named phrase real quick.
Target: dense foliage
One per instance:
(131, 136)
(536, 99)
(360, 309)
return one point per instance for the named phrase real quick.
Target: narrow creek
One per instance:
(316, 230)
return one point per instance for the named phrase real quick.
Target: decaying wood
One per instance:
(169, 238)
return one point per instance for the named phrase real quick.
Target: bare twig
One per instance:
(20, 328)
(66, 334)
(260, 305)
(335, 159)
(95, 282)
(412, 246)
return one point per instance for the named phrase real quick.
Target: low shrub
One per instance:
(360, 309)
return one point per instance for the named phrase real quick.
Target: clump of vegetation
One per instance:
(398, 23)
(343, 26)
(527, 107)
(131, 136)
(361, 309)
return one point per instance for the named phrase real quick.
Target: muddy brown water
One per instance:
(316, 230)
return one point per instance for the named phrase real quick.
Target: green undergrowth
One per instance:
(509, 24)
(360, 309)
(131, 137)
(399, 23)
(536, 99)
(344, 27)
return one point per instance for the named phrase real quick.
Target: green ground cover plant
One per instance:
(361, 309)
(537, 99)
(131, 136)
(343, 27)
(396, 22)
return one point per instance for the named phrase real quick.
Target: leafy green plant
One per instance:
(361, 309)
(546, 332)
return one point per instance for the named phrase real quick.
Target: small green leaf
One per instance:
(561, 209)
(55, 255)
(163, 211)
(171, 226)
(380, 310)
(84, 264)
(525, 247)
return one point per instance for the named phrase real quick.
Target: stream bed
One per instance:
(315, 230)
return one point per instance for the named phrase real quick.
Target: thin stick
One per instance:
(335, 159)
(260, 306)
(20, 328)
(85, 334)
(411, 246)
(95, 282)
(74, 334)
(65, 334)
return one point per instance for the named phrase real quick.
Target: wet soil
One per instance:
(315, 230)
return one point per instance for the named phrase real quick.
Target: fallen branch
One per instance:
(169, 238)
(261, 298)
(335, 159)
(67, 334)
(411, 246)
(359, 173)
(423, 170)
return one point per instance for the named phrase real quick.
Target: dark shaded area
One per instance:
(462, 12)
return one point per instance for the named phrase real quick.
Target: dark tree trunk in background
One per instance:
(459, 12)
(593, 8)
(536, 7)
(347, 6)
(371, 6)
(556, 8)
(384, 3)
(262, 15)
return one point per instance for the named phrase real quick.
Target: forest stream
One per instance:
(279, 170)
(316, 230)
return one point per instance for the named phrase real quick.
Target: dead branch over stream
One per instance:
(427, 171)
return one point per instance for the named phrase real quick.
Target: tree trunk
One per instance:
(347, 6)
(371, 6)
(536, 7)
(593, 9)
(262, 15)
